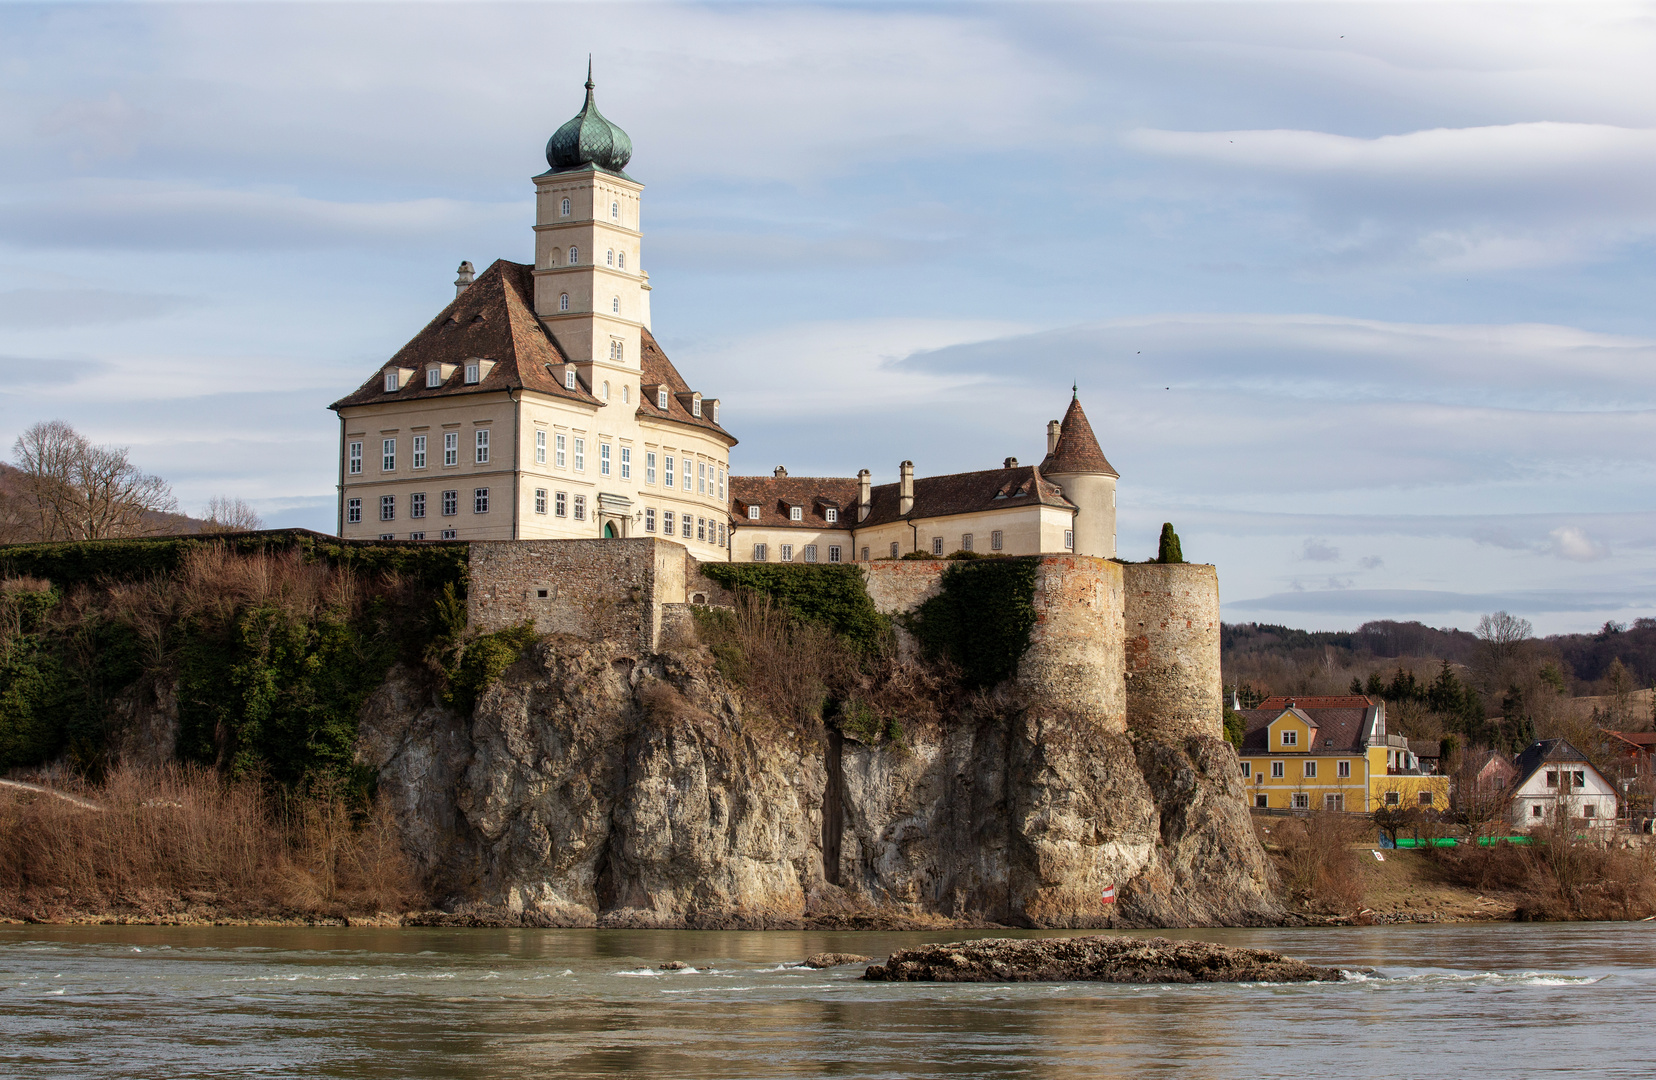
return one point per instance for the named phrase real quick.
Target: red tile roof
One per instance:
(774, 495)
(1077, 450)
(967, 493)
(494, 319)
(659, 371)
(1339, 701)
(1338, 731)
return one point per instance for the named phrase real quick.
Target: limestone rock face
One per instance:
(594, 785)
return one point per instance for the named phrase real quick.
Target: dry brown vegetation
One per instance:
(1559, 876)
(1317, 863)
(179, 841)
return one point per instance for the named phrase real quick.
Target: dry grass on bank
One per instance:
(1559, 877)
(179, 839)
(1317, 860)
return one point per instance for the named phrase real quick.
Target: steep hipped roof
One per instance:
(774, 495)
(967, 493)
(1337, 731)
(659, 371)
(494, 319)
(1077, 450)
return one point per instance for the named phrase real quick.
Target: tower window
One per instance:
(574, 256)
(615, 349)
(661, 399)
(563, 302)
(615, 211)
(626, 394)
(566, 208)
(609, 257)
(615, 305)
(621, 259)
(569, 378)
(605, 393)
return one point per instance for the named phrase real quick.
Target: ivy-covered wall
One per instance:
(981, 617)
(829, 594)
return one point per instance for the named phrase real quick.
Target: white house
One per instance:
(1552, 771)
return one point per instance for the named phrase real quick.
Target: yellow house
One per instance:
(1332, 753)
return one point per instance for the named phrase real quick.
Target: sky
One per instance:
(1358, 297)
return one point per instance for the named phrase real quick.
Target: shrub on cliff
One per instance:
(832, 595)
(482, 661)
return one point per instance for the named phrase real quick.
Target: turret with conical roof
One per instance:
(1076, 463)
(588, 139)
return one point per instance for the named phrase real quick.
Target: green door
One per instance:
(609, 530)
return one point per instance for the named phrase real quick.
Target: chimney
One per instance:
(1052, 435)
(865, 494)
(780, 472)
(905, 488)
(1011, 463)
(463, 282)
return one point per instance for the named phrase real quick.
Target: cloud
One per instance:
(1319, 551)
(1573, 543)
(1371, 562)
(1415, 603)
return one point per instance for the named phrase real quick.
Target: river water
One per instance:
(1456, 1001)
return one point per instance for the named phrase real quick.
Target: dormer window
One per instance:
(566, 208)
(753, 513)
(831, 514)
(661, 399)
(563, 302)
(474, 372)
(391, 382)
(1290, 738)
(796, 513)
(574, 256)
(569, 378)
(695, 406)
(714, 414)
(434, 377)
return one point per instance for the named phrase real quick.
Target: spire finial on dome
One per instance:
(589, 73)
(1075, 392)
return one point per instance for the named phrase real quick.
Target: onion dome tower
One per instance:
(1076, 463)
(589, 139)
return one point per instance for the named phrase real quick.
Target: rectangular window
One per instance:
(580, 455)
(810, 553)
(758, 552)
(721, 483)
(701, 529)
(997, 540)
(540, 500)
(649, 466)
(688, 479)
(894, 549)
(937, 545)
(603, 459)
(667, 469)
(796, 513)
(1587, 809)
(560, 505)
(701, 478)
(354, 453)
(451, 534)
(1302, 801)
(1552, 779)
(831, 514)
(721, 536)
(419, 461)
(786, 551)
(416, 536)
(1393, 798)
(686, 526)
(451, 503)
(1580, 779)
(966, 542)
(626, 463)
(388, 536)
(451, 448)
(388, 508)
(388, 455)
(1535, 810)
(416, 506)
(1426, 799)
(1276, 770)
(865, 553)
(1263, 802)
(434, 379)
(353, 511)
(669, 523)
(1310, 770)
(649, 519)
(833, 553)
(580, 508)
(559, 448)
(1069, 539)
(1290, 738)
(540, 448)
(1333, 802)
(482, 446)
(1343, 770)
(1247, 769)
(480, 500)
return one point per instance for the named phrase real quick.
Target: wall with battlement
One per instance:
(597, 590)
(1174, 688)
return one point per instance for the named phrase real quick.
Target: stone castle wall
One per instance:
(1123, 646)
(1174, 689)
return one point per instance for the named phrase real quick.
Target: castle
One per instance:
(538, 405)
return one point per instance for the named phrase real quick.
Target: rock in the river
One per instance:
(835, 959)
(1093, 959)
(673, 965)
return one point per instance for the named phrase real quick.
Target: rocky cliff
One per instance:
(595, 784)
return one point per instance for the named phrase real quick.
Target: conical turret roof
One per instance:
(1077, 450)
(589, 139)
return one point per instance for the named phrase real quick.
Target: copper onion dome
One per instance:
(589, 139)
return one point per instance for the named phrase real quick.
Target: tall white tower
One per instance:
(591, 291)
(1076, 463)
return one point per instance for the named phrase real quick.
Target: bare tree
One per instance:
(74, 490)
(227, 515)
(1502, 635)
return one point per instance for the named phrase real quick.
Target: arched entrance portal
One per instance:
(609, 530)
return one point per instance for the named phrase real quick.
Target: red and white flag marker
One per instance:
(1108, 895)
